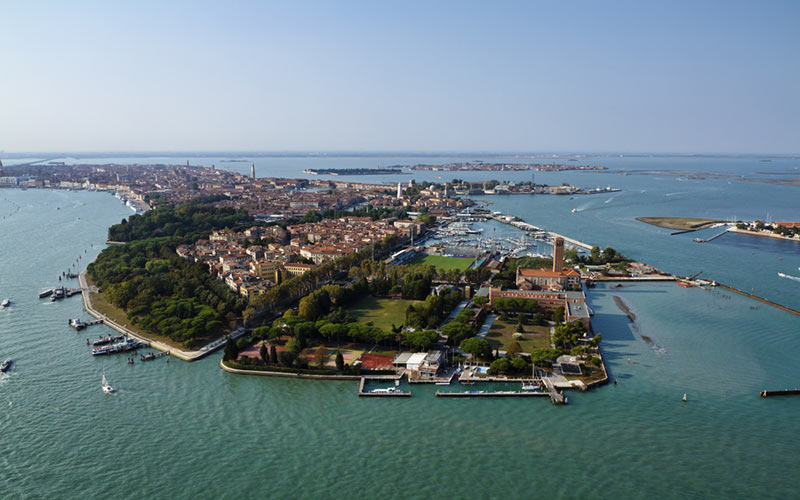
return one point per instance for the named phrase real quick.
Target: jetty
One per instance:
(153, 355)
(760, 299)
(557, 398)
(785, 392)
(80, 325)
(494, 394)
(701, 240)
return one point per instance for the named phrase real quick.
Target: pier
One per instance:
(557, 398)
(701, 240)
(80, 325)
(153, 355)
(785, 392)
(496, 394)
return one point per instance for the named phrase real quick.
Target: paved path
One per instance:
(161, 346)
(487, 325)
(460, 307)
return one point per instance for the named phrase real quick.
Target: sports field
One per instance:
(442, 262)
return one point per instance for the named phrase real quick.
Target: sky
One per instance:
(697, 76)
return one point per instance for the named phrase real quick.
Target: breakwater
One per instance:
(760, 299)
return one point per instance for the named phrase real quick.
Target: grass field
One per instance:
(443, 262)
(501, 335)
(381, 312)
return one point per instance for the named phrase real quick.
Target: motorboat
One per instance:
(107, 388)
(5, 366)
(5, 302)
(387, 390)
(684, 397)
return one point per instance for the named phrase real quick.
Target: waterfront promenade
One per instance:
(183, 354)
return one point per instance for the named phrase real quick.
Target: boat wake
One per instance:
(784, 275)
(609, 200)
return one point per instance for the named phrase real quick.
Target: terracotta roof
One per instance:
(547, 273)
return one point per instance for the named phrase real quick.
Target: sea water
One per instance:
(189, 430)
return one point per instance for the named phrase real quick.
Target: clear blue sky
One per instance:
(698, 76)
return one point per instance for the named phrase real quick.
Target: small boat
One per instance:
(107, 388)
(574, 210)
(46, 293)
(77, 324)
(530, 387)
(442, 383)
(5, 302)
(684, 397)
(5, 366)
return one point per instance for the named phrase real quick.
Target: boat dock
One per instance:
(557, 398)
(80, 325)
(153, 355)
(496, 394)
(386, 394)
(701, 240)
(785, 392)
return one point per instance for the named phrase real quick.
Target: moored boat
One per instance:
(107, 340)
(387, 390)
(128, 344)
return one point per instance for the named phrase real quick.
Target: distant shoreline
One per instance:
(763, 234)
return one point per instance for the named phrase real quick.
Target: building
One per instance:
(574, 303)
(542, 279)
(297, 268)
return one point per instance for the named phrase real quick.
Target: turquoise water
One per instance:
(188, 430)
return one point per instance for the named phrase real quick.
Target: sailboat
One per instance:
(532, 385)
(107, 388)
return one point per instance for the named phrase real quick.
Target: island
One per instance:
(481, 166)
(353, 171)
(322, 279)
(680, 223)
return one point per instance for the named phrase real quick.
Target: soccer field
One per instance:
(443, 262)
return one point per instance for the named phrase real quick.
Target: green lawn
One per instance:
(501, 335)
(381, 312)
(443, 262)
